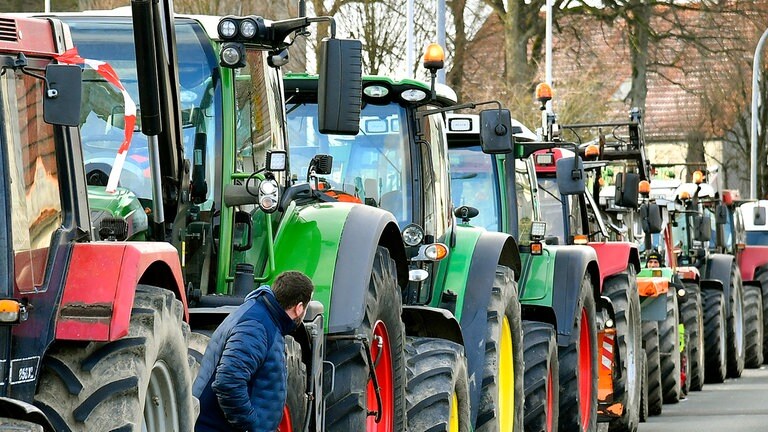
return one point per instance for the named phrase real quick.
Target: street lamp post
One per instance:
(755, 103)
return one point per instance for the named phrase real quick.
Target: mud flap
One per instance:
(607, 407)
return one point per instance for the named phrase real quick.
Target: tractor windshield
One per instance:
(370, 168)
(472, 184)
(102, 118)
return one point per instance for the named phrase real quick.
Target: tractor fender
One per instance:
(20, 410)
(427, 321)
(101, 284)
(689, 274)
(365, 228)
(711, 284)
(334, 244)
(719, 268)
(752, 258)
(572, 263)
(614, 257)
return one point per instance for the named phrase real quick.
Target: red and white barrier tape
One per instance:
(71, 56)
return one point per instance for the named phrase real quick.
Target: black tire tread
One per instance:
(540, 364)
(669, 350)
(622, 290)
(113, 376)
(714, 331)
(653, 367)
(753, 327)
(692, 317)
(735, 358)
(436, 371)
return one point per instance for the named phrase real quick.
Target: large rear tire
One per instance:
(714, 336)
(653, 366)
(578, 368)
(295, 410)
(139, 382)
(501, 401)
(438, 387)
(347, 406)
(753, 327)
(541, 377)
(692, 317)
(735, 326)
(669, 349)
(622, 290)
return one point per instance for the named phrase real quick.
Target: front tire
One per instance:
(753, 327)
(353, 396)
(578, 368)
(761, 275)
(438, 387)
(142, 380)
(541, 377)
(501, 401)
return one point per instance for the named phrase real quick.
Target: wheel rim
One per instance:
(160, 409)
(285, 423)
(453, 420)
(506, 379)
(381, 354)
(585, 370)
(550, 401)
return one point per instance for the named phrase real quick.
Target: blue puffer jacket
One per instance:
(241, 384)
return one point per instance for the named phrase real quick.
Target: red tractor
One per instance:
(94, 334)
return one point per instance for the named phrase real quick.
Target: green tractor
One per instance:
(516, 207)
(461, 313)
(210, 171)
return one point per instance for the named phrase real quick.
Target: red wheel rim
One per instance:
(585, 370)
(285, 423)
(381, 354)
(550, 404)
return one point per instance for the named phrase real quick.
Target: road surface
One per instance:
(736, 405)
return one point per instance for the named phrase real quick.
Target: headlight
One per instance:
(268, 195)
(376, 91)
(247, 28)
(231, 56)
(413, 95)
(227, 29)
(413, 235)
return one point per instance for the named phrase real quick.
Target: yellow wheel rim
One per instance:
(453, 421)
(506, 379)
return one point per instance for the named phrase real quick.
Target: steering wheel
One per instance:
(97, 177)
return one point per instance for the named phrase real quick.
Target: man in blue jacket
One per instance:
(241, 384)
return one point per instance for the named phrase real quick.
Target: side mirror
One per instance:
(721, 214)
(61, 102)
(570, 176)
(627, 185)
(650, 217)
(340, 86)
(702, 228)
(465, 213)
(496, 131)
(758, 217)
(242, 236)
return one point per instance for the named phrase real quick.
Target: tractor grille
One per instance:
(8, 29)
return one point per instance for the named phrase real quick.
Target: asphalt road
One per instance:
(736, 405)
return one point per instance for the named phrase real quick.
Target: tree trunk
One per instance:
(695, 141)
(516, 70)
(639, 33)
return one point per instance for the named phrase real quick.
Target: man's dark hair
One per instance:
(292, 288)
